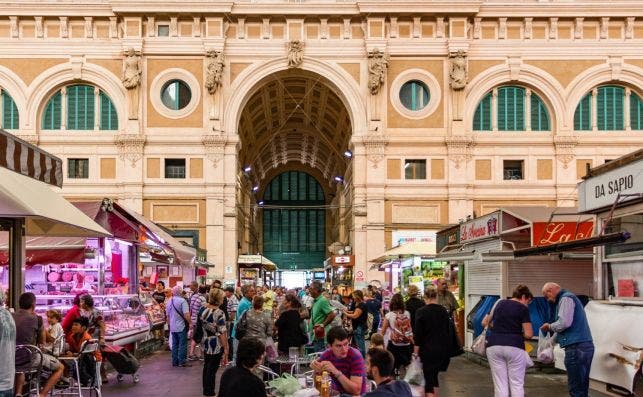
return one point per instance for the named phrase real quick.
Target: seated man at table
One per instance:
(379, 367)
(344, 364)
(30, 331)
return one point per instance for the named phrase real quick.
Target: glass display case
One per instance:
(125, 316)
(154, 311)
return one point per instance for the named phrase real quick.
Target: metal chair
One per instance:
(30, 366)
(75, 388)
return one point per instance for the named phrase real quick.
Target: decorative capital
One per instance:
(565, 147)
(214, 145)
(377, 67)
(295, 53)
(130, 147)
(375, 143)
(460, 148)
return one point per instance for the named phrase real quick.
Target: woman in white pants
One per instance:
(509, 325)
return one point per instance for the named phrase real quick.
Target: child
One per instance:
(79, 335)
(377, 341)
(54, 337)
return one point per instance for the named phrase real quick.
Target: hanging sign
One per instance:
(544, 233)
(602, 190)
(482, 227)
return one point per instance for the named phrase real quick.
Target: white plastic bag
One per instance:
(545, 353)
(479, 345)
(414, 373)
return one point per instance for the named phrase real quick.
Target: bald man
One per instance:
(573, 335)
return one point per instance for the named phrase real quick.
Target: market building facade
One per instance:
(284, 127)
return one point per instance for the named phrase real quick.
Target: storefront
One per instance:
(614, 192)
(412, 262)
(486, 250)
(256, 270)
(340, 274)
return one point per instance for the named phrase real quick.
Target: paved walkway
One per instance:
(464, 379)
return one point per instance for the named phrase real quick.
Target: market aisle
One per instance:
(464, 379)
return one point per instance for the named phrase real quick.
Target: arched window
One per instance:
(517, 109)
(9, 119)
(79, 107)
(294, 221)
(606, 108)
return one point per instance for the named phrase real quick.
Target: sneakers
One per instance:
(185, 365)
(193, 358)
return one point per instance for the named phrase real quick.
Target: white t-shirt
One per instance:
(391, 317)
(56, 332)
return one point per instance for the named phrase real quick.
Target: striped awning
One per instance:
(26, 159)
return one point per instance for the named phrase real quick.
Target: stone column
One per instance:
(229, 211)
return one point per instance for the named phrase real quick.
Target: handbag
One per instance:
(479, 345)
(197, 335)
(241, 328)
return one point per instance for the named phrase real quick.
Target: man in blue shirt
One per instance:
(178, 320)
(573, 335)
(379, 367)
(248, 292)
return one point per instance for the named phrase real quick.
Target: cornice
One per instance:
(293, 9)
(560, 9)
(59, 8)
(55, 47)
(424, 7)
(171, 7)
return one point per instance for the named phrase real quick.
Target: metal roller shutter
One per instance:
(575, 276)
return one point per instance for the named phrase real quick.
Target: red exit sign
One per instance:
(560, 232)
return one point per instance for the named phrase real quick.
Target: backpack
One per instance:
(241, 327)
(401, 331)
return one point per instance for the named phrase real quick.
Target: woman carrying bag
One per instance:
(509, 325)
(211, 321)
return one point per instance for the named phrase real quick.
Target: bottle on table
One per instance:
(318, 381)
(325, 385)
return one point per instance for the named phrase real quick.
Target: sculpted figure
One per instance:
(132, 69)
(214, 71)
(458, 71)
(295, 53)
(377, 67)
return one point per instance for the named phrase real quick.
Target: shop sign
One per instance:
(343, 259)
(249, 259)
(602, 190)
(359, 276)
(482, 227)
(413, 236)
(446, 237)
(544, 233)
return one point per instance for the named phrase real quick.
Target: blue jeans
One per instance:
(6, 393)
(358, 338)
(578, 360)
(319, 345)
(179, 347)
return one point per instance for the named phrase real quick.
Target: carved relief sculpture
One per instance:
(375, 143)
(214, 145)
(377, 67)
(295, 53)
(13, 27)
(214, 71)
(458, 70)
(130, 147)
(132, 79)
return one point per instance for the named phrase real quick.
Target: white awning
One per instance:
(416, 248)
(46, 212)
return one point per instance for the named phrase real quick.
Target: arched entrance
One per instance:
(295, 169)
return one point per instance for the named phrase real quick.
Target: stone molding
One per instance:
(565, 147)
(130, 147)
(375, 144)
(460, 148)
(214, 146)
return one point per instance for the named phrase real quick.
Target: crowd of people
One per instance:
(250, 325)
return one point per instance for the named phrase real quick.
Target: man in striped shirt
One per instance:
(196, 302)
(344, 364)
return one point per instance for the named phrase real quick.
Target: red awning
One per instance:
(109, 217)
(47, 250)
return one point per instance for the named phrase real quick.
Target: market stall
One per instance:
(29, 207)
(486, 249)
(614, 192)
(410, 263)
(255, 270)
(339, 272)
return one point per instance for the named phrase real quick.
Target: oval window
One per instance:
(176, 94)
(414, 95)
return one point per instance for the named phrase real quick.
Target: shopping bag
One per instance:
(271, 350)
(414, 373)
(479, 345)
(545, 352)
(286, 385)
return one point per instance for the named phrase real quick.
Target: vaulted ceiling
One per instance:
(294, 116)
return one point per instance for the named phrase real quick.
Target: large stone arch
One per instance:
(49, 80)
(541, 82)
(249, 80)
(623, 73)
(17, 89)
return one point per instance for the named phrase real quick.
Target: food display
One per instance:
(154, 311)
(125, 317)
(70, 278)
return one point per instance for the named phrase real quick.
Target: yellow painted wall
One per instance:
(478, 66)
(483, 169)
(483, 207)
(196, 168)
(236, 68)
(564, 71)
(416, 205)
(108, 168)
(153, 168)
(29, 69)
(437, 168)
(434, 120)
(544, 169)
(352, 69)
(393, 168)
(156, 66)
(113, 65)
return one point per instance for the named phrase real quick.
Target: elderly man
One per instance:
(446, 298)
(178, 320)
(248, 292)
(573, 335)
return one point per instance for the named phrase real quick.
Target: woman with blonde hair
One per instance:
(413, 303)
(358, 313)
(215, 339)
